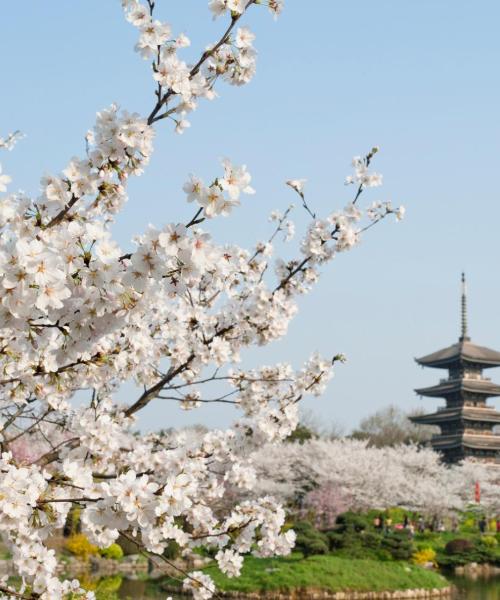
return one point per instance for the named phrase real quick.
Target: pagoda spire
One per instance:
(464, 337)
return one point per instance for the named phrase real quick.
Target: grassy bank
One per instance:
(326, 572)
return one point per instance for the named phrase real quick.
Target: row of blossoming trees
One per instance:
(172, 314)
(345, 474)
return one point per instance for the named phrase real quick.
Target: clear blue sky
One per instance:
(419, 79)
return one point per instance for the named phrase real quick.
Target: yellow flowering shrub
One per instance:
(424, 556)
(79, 545)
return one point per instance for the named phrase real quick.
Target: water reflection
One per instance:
(467, 589)
(143, 590)
(478, 589)
(134, 589)
(140, 590)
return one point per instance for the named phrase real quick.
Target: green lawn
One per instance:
(326, 572)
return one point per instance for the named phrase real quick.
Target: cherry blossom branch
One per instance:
(169, 563)
(53, 454)
(10, 141)
(33, 426)
(228, 531)
(221, 399)
(195, 220)
(366, 160)
(154, 390)
(279, 227)
(12, 418)
(61, 214)
(40, 373)
(162, 99)
(69, 500)
(298, 186)
(292, 274)
(236, 378)
(11, 593)
(154, 117)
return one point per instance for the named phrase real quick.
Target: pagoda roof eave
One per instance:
(464, 414)
(448, 387)
(462, 351)
(479, 442)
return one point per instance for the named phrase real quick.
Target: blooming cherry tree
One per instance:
(79, 313)
(335, 475)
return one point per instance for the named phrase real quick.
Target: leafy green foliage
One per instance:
(309, 540)
(460, 551)
(108, 587)
(113, 552)
(351, 521)
(398, 544)
(355, 537)
(489, 541)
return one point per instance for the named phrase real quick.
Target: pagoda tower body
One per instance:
(466, 422)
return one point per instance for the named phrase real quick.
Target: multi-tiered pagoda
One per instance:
(466, 422)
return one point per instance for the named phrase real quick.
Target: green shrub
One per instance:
(351, 521)
(460, 559)
(399, 545)
(314, 546)
(310, 541)
(114, 552)
(351, 542)
(355, 537)
(372, 540)
(108, 587)
(489, 541)
(462, 551)
(334, 538)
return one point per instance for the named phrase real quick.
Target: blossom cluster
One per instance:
(223, 193)
(221, 7)
(180, 84)
(25, 522)
(10, 140)
(362, 176)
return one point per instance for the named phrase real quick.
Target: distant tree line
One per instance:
(389, 426)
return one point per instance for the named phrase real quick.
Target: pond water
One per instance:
(139, 589)
(467, 589)
(478, 589)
